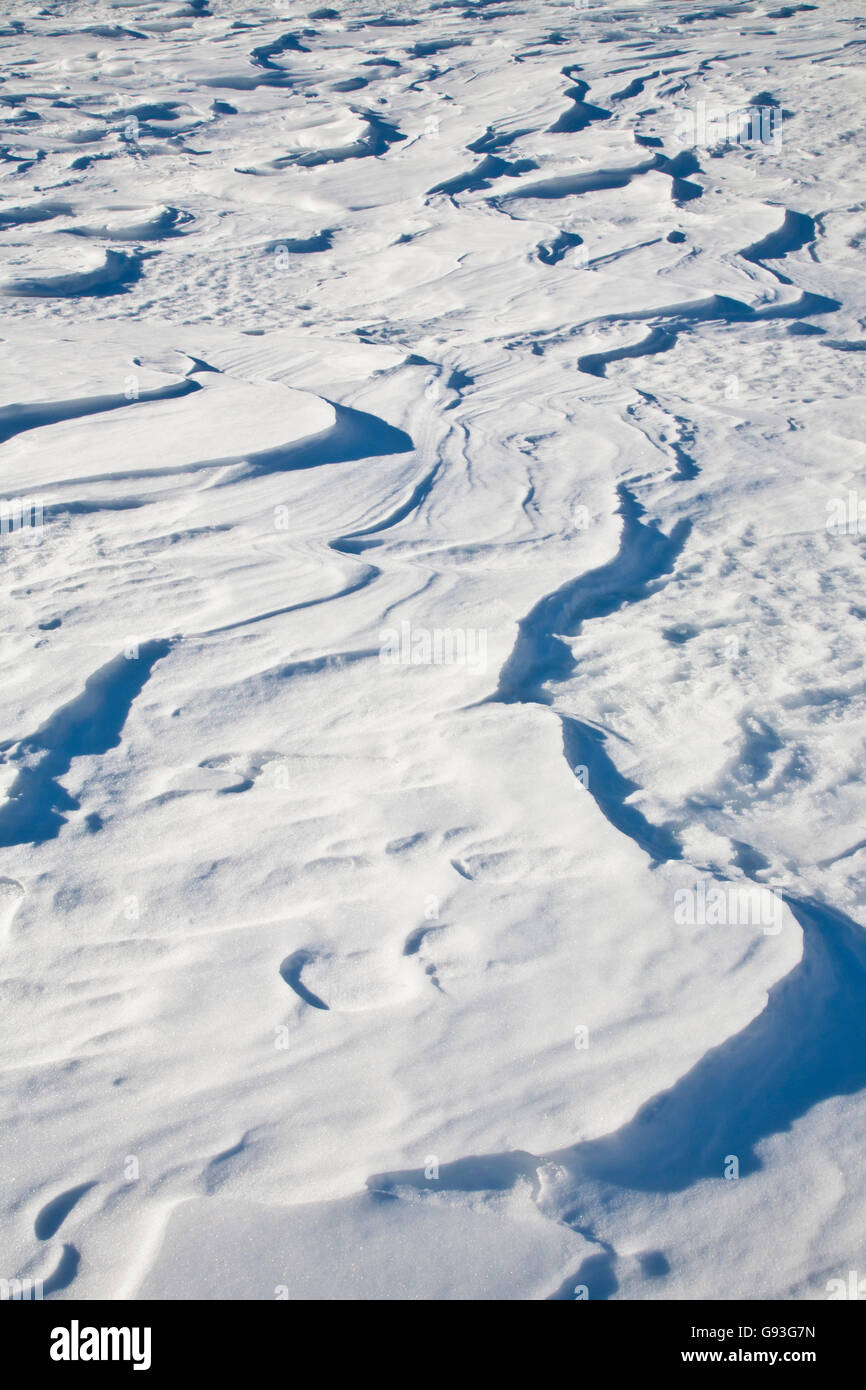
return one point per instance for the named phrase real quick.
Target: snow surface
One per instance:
(428, 447)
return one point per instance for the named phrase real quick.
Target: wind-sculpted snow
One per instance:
(540, 653)
(109, 275)
(89, 724)
(432, 822)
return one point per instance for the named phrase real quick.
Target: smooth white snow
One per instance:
(433, 837)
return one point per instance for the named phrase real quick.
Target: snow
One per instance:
(432, 845)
